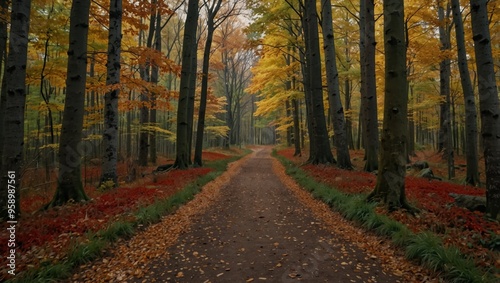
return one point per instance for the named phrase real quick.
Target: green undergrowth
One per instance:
(95, 243)
(425, 247)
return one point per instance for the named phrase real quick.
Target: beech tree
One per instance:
(110, 135)
(15, 99)
(332, 77)
(320, 146)
(212, 9)
(368, 84)
(445, 143)
(390, 186)
(472, 177)
(188, 74)
(489, 103)
(69, 183)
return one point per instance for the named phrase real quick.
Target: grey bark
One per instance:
(332, 77)
(322, 153)
(145, 72)
(445, 143)
(69, 185)
(489, 103)
(154, 79)
(471, 151)
(188, 73)
(111, 115)
(13, 123)
(390, 186)
(211, 26)
(369, 93)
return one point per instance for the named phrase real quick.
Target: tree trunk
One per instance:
(188, 73)
(4, 6)
(369, 94)
(332, 77)
(14, 105)
(296, 128)
(470, 103)
(488, 102)
(322, 153)
(154, 80)
(445, 143)
(111, 115)
(288, 111)
(212, 11)
(390, 186)
(69, 185)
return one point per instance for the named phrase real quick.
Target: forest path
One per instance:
(254, 229)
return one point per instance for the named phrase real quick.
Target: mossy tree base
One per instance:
(67, 193)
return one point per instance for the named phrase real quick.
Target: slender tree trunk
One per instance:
(308, 104)
(488, 102)
(204, 91)
(70, 147)
(445, 143)
(470, 103)
(332, 75)
(296, 128)
(154, 80)
(369, 94)
(322, 153)
(111, 115)
(129, 128)
(348, 120)
(14, 105)
(188, 73)
(288, 111)
(191, 100)
(390, 187)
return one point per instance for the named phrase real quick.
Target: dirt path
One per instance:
(252, 228)
(259, 231)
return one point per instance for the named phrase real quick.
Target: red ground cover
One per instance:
(457, 226)
(45, 235)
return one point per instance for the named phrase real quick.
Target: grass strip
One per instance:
(425, 247)
(92, 249)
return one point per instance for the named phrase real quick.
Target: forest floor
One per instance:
(474, 234)
(253, 224)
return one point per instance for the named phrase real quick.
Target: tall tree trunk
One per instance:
(332, 77)
(4, 6)
(129, 128)
(348, 120)
(445, 143)
(111, 115)
(323, 153)
(212, 11)
(470, 103)
(69, 185)
(145, 72)
(369, 94)
(14, 105)
(288, 111)
(488, 102)
(296, 128)
(188, 73)
(390, 186)
(154, 80)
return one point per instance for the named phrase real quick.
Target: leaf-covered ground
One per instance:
(253, 224)
(46, 235)
(469, 231)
